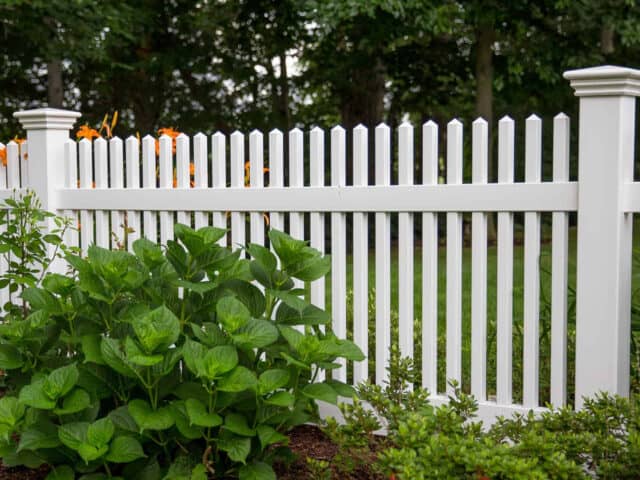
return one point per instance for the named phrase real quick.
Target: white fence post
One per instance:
(47, 131)
(606, 148)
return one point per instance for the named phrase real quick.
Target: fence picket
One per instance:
(116, 177)
(504, 319)
(316, 219)
(559, 266)
(165, 166)
(71, 181)
(454, 259)
(296, 179)
(24, 167)
(531, 348)
(256, 174)
(150, 219)
(132, 154)
(430, 263)
(405, 244)
(4, 292)
(102, 182)
(339, 247)
(183, 179)
(86, 180)
(276, 173)
(480, 161)
(237, 181)
(219, 177)
(360, 256)
(13, 165)
(201, 175)
(383, 257)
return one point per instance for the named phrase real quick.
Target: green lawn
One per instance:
(545, 263)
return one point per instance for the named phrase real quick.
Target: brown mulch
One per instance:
(305, 441)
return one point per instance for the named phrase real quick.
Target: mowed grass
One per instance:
(518, 295)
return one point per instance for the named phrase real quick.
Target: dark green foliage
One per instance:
(425, 441)
(167, 362)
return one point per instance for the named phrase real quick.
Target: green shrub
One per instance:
(447, 442)
(168, 363)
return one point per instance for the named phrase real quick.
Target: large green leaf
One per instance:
(10, 357)
(123, 420)
(136, 356)
(255, 334)
(321, 391)
(182, 422)
(73, 434)
(309, 315)
(61, 472)
(33, 395)
(281, 399)
(193, 354)
(238, 380)
(91, 348)
(232, 313)
(219, 360)
(124, 450)
(256, 471)
(59, 382)
(157, 330)
(41, 299)
(237, 423)
(263, 256)
(41, 435)
(11, 410)
(237, 448)
(100, 432)
(271, 380)
(199, 416)
(113, 356)
(269, 435)
(149, 419)
(209, 333)
(76, 401)
(335, 347)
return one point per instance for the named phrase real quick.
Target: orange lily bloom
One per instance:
(3, 156)
(247, 173)
(86, 131)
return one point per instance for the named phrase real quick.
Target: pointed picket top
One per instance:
(275, 131)
(182, 139)
(12, 144)
(359, 128)
(405, 127)
(148, 138)
(534, 117)
(84, 141)
(100, 141)
(506, 119)
(295, 130)
(561, 116)
(338, 129)
(430, 124)
(255, 133)
(164, 137)
(182, 135)
(199, 136)
(317, 130)
(480, 121)
(115, 141)
(455, 123)
(237, 134)
(218, 134)
(382, 126)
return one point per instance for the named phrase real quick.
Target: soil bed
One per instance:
(305, 441)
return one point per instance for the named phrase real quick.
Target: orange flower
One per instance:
(3, 156)
(247, 173)
(86, 131)
(170, 132)
(20, 141)
(192, 169)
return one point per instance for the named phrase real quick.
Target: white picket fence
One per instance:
(107, 184)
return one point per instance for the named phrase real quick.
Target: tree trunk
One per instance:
(485, 36)
(363, 103)
(284, 93)
(55, 91)
(607, 45)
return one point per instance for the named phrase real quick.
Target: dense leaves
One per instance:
(168, 360)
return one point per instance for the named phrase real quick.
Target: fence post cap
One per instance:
(603, 81)
(47, 119)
